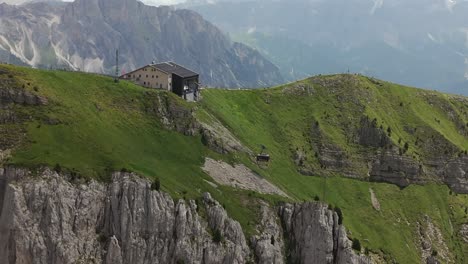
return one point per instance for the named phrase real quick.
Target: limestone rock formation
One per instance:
(10, 93)
(183, 120)
(455, 174)
(433, 246)
(370, 135)
(269, 246)
(172, 115)
(315, 235)
(49, 219)
(391, 167)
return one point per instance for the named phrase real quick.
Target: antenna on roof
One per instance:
(116, 80)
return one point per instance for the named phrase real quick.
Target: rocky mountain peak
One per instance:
(84, 35)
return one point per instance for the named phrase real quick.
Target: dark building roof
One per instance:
(174, 68)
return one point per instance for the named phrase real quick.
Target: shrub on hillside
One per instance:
(406, 146)
(156, 185)
(125, 170)
(340, 215)
(57, 168)
(356, 245)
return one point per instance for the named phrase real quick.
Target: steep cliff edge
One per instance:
(314, 233)
(48, 219)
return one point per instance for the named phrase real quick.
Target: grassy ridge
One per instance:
(102, 126)
(280, 118)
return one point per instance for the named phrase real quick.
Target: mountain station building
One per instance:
(168, 76)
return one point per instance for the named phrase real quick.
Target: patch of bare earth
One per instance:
(375, 202)
(239, 176)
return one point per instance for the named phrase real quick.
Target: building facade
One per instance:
(168, 76)
(150, 77)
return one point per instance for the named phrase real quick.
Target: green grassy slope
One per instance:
(104, 127)
(281, 117)
(99, 126)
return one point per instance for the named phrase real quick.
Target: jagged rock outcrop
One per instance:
(315, 236)
(48, 219)
(268, 245)
(455, 174)
(387, 162)
(220, 139)
(433, 245)
(390, 166)
(183, 120)
(171, 114)
(8, 96)
(369, 135)
(11, 93)
(330, 156)
(402, 170)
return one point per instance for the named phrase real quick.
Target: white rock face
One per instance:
(47, 219)
(50, 220)
(315, 236)
(268, 246)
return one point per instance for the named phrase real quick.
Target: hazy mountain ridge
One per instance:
(85, 34)
(419, 43)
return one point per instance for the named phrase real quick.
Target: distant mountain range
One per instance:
(421, 43)
(84, 35)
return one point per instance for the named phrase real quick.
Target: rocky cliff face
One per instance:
(314, 233)
(389, 166)
(85, 34)
(48, 219)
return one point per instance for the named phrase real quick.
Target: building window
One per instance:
(157, 76)
(144, 83)
(146, 75)
(152, 76)
(139, 76)
(160, 86)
